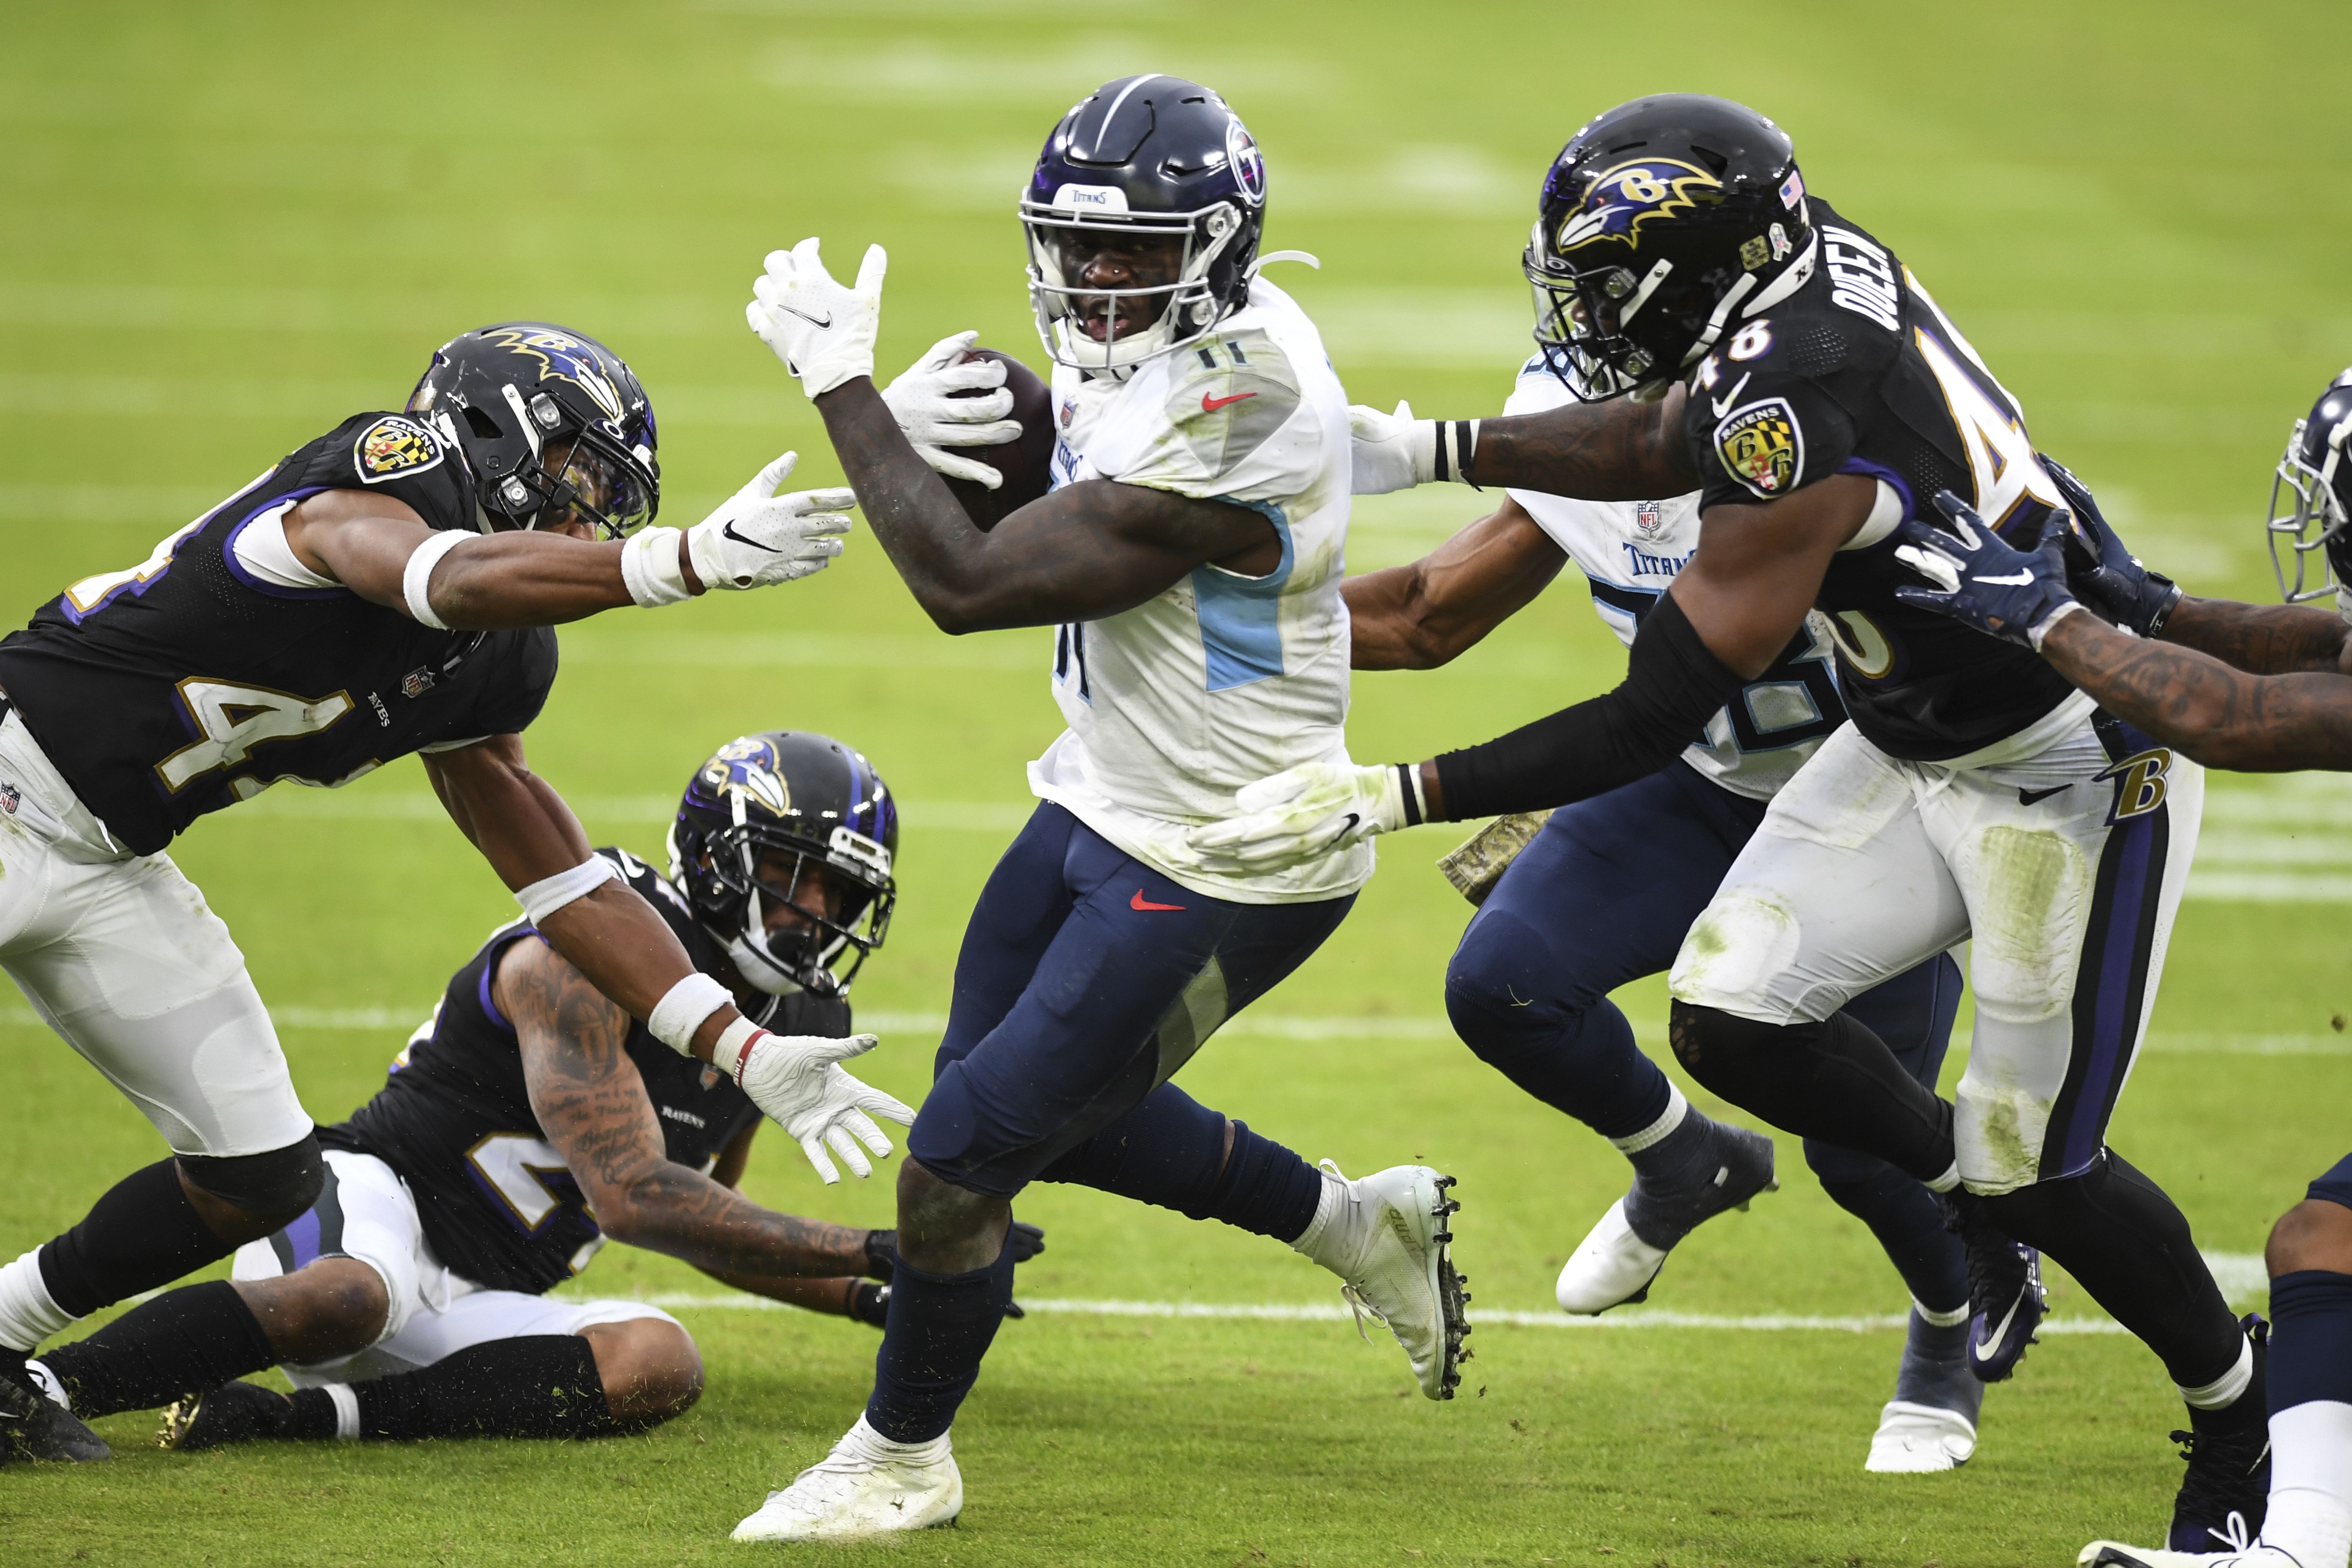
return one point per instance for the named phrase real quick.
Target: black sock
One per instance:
(141, 1234)
(183, 1343)
(940, 1327)
(538, 1385)
(1835, 1081)
(2126, 1243)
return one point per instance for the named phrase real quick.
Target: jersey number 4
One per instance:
(234, 718)
(2001, 464)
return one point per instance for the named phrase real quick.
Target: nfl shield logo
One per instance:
(416, 683)
(1649, 517)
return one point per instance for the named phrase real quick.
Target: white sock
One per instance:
(1945, 1183)
(875, 1445)
(1951, 1320)
(27, 1315)
(1310, 1240)
(1668, 1119)
(2223, 1391)
(2310, 1516)
(347, 1410)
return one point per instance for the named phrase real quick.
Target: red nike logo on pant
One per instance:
(1140, 902)
(1211, 404)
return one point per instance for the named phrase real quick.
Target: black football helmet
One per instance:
(2315, 482)
(503, 395)
(812, 798)
(1145, 155)
(1657, 221)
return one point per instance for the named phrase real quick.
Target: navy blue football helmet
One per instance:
(788, 794)
(1656, 221)
(1144, 156)
(512, 395)
(2316, 477)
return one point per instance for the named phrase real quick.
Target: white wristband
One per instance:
(734, 1045)
(682, 1009)
(417, 576)
(2034, 634)
(548, 894)
(1453, 443)
(650, 566)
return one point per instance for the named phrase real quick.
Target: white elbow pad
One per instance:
(651, 568)
(418, 573)
(548, 894)
(682, 1011)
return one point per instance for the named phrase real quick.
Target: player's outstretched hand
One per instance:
(799, 1081)
(1384, 449)
(758, 537)
(2014, 595)
(1299, 814)
(944, 400)
(823, 331)
(2102, 569)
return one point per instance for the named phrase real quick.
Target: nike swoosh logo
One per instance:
(1211, 404)
(2017, 580)
(804, 315)
(2030, 797)
(1140, 902)
(2000, 1329)
(729, 533)
(1723, 404)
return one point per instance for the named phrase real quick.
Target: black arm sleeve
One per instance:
(1673, 686)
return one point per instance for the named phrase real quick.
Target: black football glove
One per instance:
(2104, 572)
(1982, 580)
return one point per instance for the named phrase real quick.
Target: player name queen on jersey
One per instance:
(223, 666)
(455, 1119)
(1221, 679)
(1856, 371)
(1629, 551)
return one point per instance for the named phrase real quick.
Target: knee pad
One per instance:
(282, 1182)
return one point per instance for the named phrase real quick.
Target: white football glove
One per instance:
(1306, 812)
(799, 1082)
(921, 400)
(824, 332)
(1395, 452)
(758, 537)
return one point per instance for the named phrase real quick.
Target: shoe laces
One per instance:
(1363, 1309)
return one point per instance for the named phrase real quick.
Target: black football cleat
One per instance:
(35, 1426)
(2227, 1489)
(2006, 1299)
(233, 1413)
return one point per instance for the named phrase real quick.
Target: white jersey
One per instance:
(1220, 680)
(1629, 551)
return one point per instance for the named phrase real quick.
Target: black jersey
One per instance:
(1858, 371)
(497, 1203)
(186, 683)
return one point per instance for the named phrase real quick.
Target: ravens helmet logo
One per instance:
(748, 767)
(1621, 200)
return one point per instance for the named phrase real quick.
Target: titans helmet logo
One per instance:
(1622, 200)
(563, 357)
(748, 768)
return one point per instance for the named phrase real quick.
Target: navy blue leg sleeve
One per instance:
(939, 1328)
(1913, 1014)
(1171, 1151)
(1604, 895)
(2311, 1338)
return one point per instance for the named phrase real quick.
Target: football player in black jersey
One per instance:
(386, 589)
(1746, 340)
(2259, 689)
(530, 1120)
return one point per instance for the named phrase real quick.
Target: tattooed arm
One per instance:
(2265, 639)
(2221, 717)
(593, 1105)
(1617, 450)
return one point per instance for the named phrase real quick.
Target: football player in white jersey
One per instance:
(1190, 554)
(1603, 894)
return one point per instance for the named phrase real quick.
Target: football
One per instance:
(1024, 463)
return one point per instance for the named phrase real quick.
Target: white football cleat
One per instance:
(1610, 1268)
(2116, 1554)
(1915, 1439)
(1386, 1235)
(867, 1486)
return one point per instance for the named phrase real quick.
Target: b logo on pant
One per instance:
(2139, 784)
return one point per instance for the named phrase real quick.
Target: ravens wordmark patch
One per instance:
(1762, 448)
(392, 446)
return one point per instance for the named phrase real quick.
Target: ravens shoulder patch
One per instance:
(392, 446)
(1763, 448)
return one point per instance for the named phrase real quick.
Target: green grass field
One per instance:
(229, 225)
